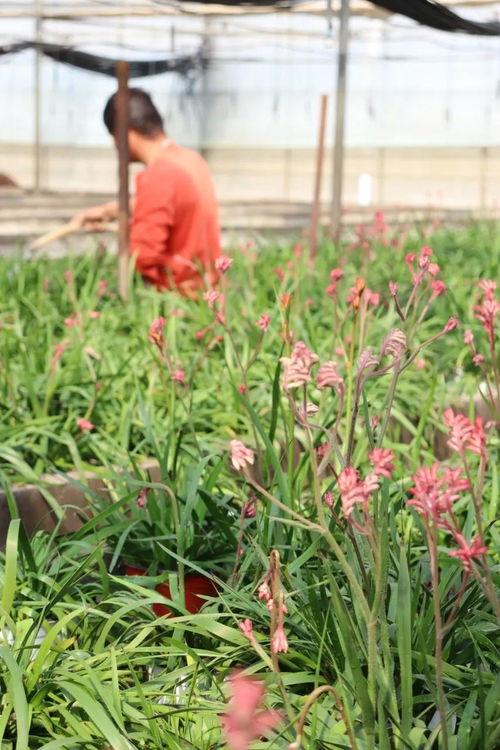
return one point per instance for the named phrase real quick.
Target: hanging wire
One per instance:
(329, 19)
(329, 24)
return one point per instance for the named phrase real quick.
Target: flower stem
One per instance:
(438, 624)
(374, 618)
(313, 697)
(332, 542)
(390, 401)
(475, 495)
(350, 372)
(495, 370)
(298, 517)
(486, 584)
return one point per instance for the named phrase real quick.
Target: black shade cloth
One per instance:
(437, 16)
(283, 4)
(425, 12)
(106, 65)
(10, 49)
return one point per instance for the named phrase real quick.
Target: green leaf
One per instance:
(97, 715)
(404, 640)
(276, 398)
(18, 701)
(270, 452)
(466, 720)
(11, 562)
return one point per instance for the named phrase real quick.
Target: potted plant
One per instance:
(181, 534)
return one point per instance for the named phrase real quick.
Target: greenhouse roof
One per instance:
(65, 9)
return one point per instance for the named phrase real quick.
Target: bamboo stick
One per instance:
(66, 229)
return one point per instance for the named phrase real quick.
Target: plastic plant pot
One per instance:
(196, 587)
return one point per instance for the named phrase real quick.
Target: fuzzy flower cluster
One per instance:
(395, 344)
(263, 322)
(379, 226)
(335, 275)
(85, 425)
(59, 350)
(357, 492)
(307, 410)
(328, 376)
(223, 263)
(241, 456)
(438, 288)
(249, 509)
(435, 491)
(156, 333)
(360, 291)
(488, 308)
(244, 721)
(216, 301)
(297, 367)
(211, 297)
(477, 358)
(366, 361)
(271, 594)
(142, 498)
(468, 551)
(297, 372)
(423, 265)
(279, 641)
(465, 435)
(179, 376)
(422, 269)
(355, 293)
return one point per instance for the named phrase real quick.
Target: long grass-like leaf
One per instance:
(17, 697)
(11, 562)
(97, 715)
(404, 638)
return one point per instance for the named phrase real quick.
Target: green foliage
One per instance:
(85, 662)
(136, 409)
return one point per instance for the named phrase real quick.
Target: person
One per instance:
(174, 230)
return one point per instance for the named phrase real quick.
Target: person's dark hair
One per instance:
(143, 116)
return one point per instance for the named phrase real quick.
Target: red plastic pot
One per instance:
(196, 586)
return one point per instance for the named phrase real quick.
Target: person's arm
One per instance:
(150, 228)
(97, 215)
(92, 218)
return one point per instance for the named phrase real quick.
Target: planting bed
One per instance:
(323, 440)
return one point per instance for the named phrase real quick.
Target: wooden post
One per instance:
(122, 71)
(320, 155)
(340, 99)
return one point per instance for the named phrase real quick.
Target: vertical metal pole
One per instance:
(37, 103)
(340, 100)
(122, 72)
(320, 152)
(206, 47)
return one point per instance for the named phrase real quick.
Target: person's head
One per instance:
(145, 123)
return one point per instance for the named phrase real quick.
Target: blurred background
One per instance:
(422, 113)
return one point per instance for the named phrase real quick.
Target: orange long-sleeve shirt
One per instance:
(174, 232)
